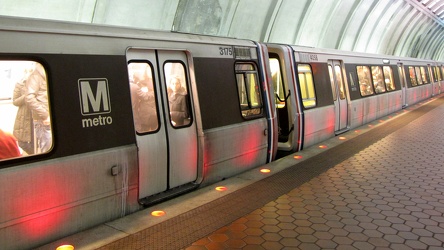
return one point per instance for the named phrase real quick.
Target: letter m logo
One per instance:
(94, 96)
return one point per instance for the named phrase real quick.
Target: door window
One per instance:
(332, 82)
(339, 78)
(178, 97)
(278, 84)
(248, 89)
(143, 98)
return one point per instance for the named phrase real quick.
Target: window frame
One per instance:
(438, 70)
(418, 75)
(368, 77)
(156, 101)
(20, 71)
(413, 78)
(424, 74)
(390, 77)
(187, 89)
(306, 102)
(279, 86)
(379, 87)
(248, 110)
(436, 73)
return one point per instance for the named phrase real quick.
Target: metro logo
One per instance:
(94, 96)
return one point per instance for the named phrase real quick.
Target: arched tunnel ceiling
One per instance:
(413, 28)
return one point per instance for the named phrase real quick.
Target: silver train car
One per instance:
(321, 93)
(132, 118)
(110, 120)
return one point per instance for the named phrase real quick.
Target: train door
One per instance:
(437, 77)
(287, 98)
(281, 100)
(403, 84)
(166, 134)
(431, 79)
(339, 95)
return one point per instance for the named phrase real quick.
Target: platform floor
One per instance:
(380, 186)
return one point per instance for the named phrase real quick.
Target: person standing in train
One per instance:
(23, 120)
(178, 103)
(144, 107)
(37, 101)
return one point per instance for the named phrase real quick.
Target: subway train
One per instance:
(108, 120)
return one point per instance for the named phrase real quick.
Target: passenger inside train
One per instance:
(24, 108)
(178, 98)
(177, 101)
(142, 97)
(23, 120)
(364, 80)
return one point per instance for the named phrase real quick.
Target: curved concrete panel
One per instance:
(412, 28)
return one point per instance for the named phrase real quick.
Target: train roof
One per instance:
(305, 49)
(351, 54)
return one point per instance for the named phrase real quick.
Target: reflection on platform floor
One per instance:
(388, 196)
(378, 187)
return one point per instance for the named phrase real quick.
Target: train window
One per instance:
(429, 74)
(25, 124)
(142, 97)
(365, 80)
(248, 89)
(352, 77)
(388, 78)
(442, 71)
(435, 76)
(178, 97)
(278, 84)
(437, 73)
(424, 75)
(332, 82)
(340, 81)
(418, 76)
(307, 85)
(412, 76)
(378, 79)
